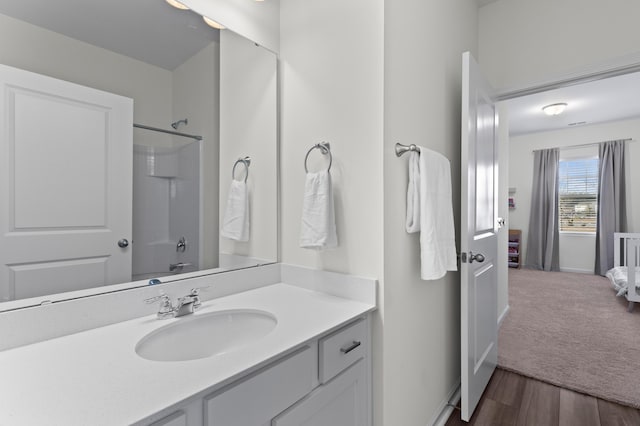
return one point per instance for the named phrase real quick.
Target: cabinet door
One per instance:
(254, 401)
(340, 402)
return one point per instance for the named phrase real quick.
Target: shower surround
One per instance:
(166, 209)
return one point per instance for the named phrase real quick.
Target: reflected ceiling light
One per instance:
(554, 109)
(210, 22)
(177, 4)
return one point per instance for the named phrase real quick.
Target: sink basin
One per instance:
(199, 336)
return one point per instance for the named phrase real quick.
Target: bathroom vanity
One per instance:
(309, 362)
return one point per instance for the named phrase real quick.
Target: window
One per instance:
(578, 194)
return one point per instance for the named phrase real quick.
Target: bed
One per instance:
(626, 267)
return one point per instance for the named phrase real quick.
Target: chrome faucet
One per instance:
(188, 304)
(185, 305)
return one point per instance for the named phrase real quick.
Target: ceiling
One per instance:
(156, 33)
(148, 30)
(601, 101)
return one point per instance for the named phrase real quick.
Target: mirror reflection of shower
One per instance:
(177, 124)
(166, 203)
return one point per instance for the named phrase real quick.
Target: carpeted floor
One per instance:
(572, 331)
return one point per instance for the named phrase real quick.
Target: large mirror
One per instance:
(138, 143)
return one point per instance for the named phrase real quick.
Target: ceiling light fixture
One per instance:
(210, 22)
(177, 4)
(554, 109)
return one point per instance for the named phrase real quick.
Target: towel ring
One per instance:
(325, 148)
(246, 161)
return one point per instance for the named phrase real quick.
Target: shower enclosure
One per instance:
(166, 209)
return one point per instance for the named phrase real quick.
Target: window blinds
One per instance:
(578, 194)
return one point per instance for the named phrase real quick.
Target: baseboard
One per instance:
(503, 315)
(577, 271)
(446, 407)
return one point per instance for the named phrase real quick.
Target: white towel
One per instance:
(413, 194)
(235, 224)
(318, 228)
(437, 233)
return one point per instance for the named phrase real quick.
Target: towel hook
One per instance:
(325, 148)
(401, 149)
(246, 161)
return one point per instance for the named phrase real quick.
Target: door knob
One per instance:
(123, 243)
(478, 257)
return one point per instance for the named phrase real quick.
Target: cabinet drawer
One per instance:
(341, 349)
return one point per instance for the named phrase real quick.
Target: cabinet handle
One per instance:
(353, 345)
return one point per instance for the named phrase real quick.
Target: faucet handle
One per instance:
(162, 297)
(195, 296)
(165, 309)
(197, 290)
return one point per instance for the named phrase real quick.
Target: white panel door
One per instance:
(65, 185)
(479, 236)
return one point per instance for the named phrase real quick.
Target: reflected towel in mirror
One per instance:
(318, 228)
(235, 224)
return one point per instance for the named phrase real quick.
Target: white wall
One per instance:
(259, 21)
(424, 41)
(248, 127)
(577, 252)
(196, 91)
(42, 51)
(332, 90)
(332, 85)
(523, 41)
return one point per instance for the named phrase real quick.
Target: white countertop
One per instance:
(96, 378)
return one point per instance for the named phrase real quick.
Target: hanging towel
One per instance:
(318, 228)
(437, 233)
(413, 194)
(235, 224)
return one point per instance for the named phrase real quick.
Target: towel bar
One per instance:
(401, 149)
(325, 148)
(246, 161)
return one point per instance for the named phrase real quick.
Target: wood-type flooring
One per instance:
(512, 399)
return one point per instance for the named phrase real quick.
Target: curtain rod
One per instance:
(156, 129)
(584, 144)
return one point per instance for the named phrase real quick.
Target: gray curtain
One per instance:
(543, 239)
(612, 207)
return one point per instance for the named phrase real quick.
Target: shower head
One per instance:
(176, 124)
